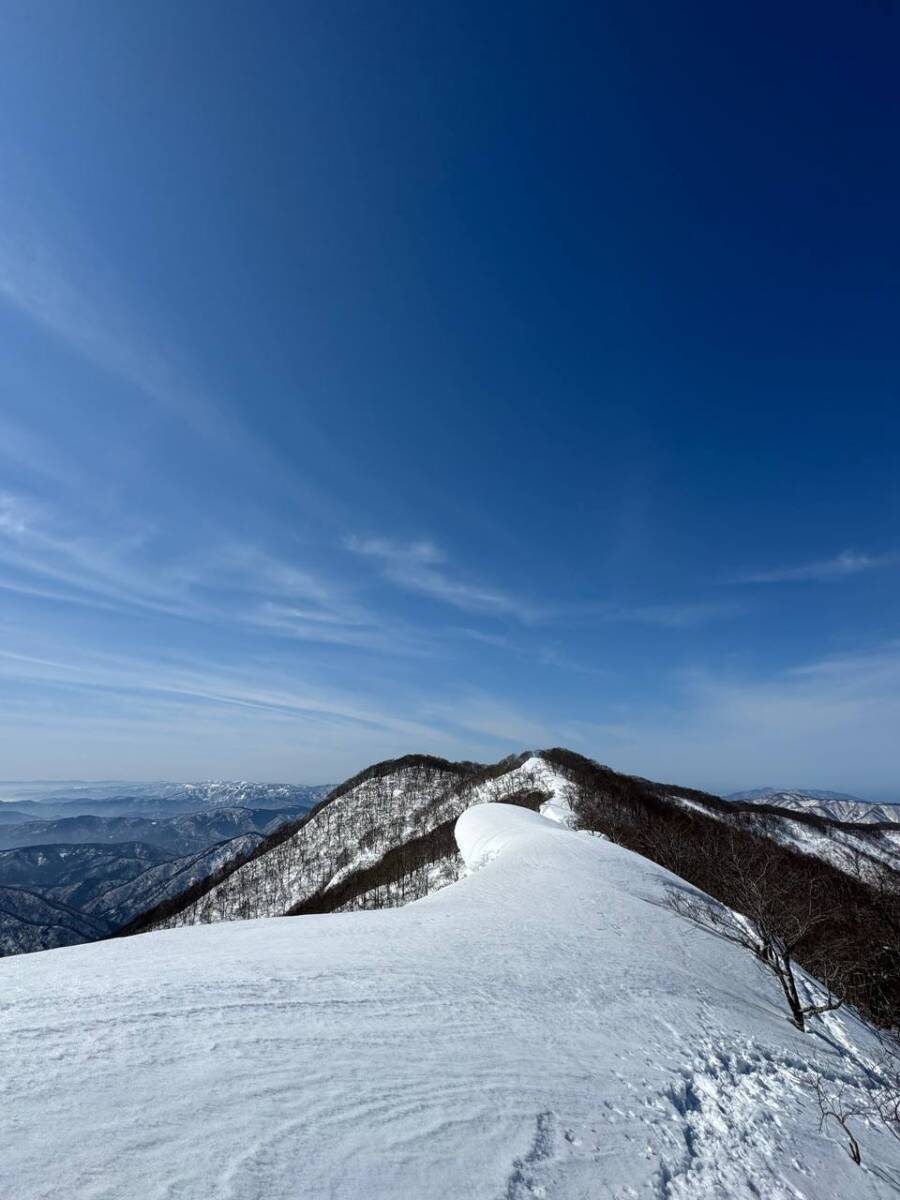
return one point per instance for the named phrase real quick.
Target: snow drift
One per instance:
(541, 1028)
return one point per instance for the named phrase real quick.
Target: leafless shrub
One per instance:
(835, 1108)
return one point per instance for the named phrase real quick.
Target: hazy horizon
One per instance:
(308, 782)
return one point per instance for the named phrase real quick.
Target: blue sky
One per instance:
(437, 377)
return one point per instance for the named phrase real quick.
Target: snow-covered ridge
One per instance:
(542, 1028)
(860, 852)
(357, 828)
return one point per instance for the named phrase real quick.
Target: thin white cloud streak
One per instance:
(137, 677)
(239, 723)
(150, 736)
(32, 454)
(337, 629)
(843, 566)
(36, 541)
(672, 616)
(78, 304)
(229, 583)
(33, 283)
(486, 716)
(420, 567)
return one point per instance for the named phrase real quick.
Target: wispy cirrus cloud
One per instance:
(75, 299)
(345, 626)
(81, 315)
(47, 554)
(843, 566)
(83, 305)
(673, 616)
(205, 683)
(422, 567)
(487, 716)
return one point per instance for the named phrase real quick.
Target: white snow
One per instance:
(541, 1028)
(549, 780)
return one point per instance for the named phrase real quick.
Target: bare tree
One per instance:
(771, 914)
(877, 1099)
(835, 1108)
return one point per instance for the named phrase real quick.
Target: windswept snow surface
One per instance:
(542, 1028)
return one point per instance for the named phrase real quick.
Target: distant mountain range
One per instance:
(837, 806)
(78, 860)
(182, 834)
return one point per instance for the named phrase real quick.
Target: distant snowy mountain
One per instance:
(834, 805)
(544, 1026)
(74, 875)
(829, 826)
(110, 799)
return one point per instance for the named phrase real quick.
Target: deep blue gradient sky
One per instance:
(450, 377)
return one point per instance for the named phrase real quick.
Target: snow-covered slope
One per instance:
(541, 1028)
(836, 806)
(859, 846)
